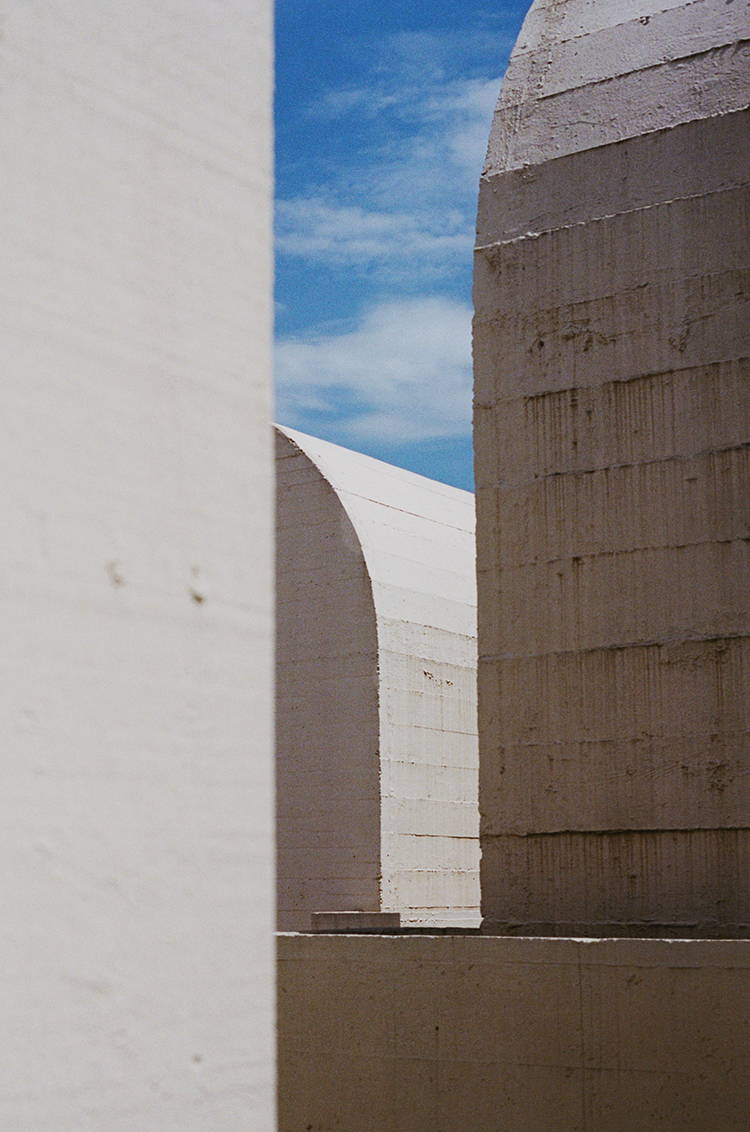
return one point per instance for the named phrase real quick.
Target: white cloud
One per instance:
(320, 228)
(435, 167)
(402, 374)
(398, 211)
(406, 209)
(468, 108)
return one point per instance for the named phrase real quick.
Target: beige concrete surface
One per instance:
(135, 572)
(437, 1034)
(355, 921)
(587, 73)
(612, 441)
(376, 690)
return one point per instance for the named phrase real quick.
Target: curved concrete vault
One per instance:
(376, 690)
(612, 403)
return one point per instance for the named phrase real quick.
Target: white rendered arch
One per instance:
(376, 689)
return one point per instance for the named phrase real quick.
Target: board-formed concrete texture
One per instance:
(376, 690)
(135, 585)
(612, 411)
(435, 1034)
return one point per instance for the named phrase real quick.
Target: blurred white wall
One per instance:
(135, 577)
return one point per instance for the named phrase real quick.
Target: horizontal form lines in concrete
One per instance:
(396, 570)
(613, 461)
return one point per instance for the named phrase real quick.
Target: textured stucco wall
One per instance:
(135, 573)
(434, 1034)
(612, 428)
(385, 704)
(327, 734)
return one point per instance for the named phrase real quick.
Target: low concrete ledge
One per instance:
(380, 923)
(420, 1033)
(337, 922)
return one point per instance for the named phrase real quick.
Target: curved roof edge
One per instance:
(365, 477)
(415, 533)
(585, 75)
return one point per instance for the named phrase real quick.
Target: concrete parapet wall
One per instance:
(433, 1034)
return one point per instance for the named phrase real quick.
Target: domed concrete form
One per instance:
(612, 404)
(376, 690)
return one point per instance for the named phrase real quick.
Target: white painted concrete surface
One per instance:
(376, 655)
(135, 578)
(612, 431)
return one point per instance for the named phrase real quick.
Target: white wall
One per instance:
(327, 729)
(414, 541)
(135, 579)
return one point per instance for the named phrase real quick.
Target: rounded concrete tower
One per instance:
(376, 690)
(611, 434)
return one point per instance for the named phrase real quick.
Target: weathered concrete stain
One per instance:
(613, 473)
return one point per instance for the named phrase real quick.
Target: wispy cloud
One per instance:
(392, 243)
(405, 204)
(398, 216)
(403, 373)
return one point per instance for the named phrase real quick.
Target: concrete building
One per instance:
(377, 804)
(135, 579)
(612, 428)
(611, 440)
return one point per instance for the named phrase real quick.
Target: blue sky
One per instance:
(382, 118)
